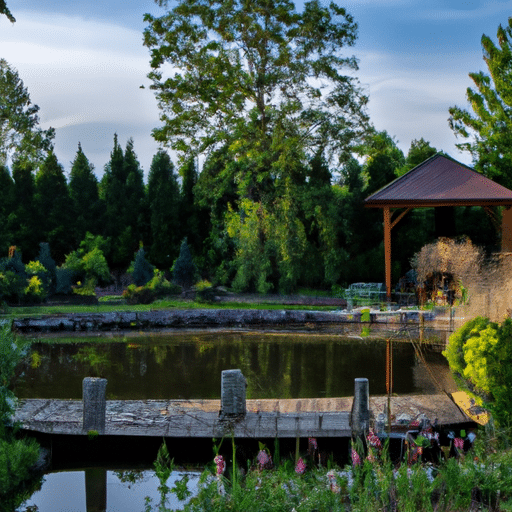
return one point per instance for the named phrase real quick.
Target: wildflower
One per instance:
(264, 460)
(300, 467)
(373, 440)
(220, 463)
(312, 444)
(458, 443)
(356, 460)
(333, 484)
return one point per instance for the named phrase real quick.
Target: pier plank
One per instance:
(322, 417)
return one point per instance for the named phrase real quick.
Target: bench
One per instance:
(370, 291)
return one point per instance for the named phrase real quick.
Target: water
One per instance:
(189, 366)
(99, 489)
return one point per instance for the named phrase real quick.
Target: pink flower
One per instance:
(220, 463)
(373, 440)
(312, 444)
(458, 443)
(356, 460)
(300, 467)
(333, 484)
(264, 460)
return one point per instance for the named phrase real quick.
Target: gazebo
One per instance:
(438, 182)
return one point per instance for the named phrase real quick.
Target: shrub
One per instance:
(184, 269)
(142, 270)
(155, 289)
(480, 356)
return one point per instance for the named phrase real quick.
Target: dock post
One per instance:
(95, 404)
(360, 415)
(232, 393)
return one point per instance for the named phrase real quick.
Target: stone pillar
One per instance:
(360, 415)
(95, 404)
(232, 393)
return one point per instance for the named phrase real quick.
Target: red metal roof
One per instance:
(440, 181)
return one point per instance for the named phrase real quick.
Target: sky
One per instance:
(84, 64)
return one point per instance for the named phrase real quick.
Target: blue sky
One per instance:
(83, 63)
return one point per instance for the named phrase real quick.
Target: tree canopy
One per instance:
(19, 123)
(257, 75)
(490, 123)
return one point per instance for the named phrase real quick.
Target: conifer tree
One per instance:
(84, 194)
(184, 269)
(164, 210)
(54, 207)
(23, 219)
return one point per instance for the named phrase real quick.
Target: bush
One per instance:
(184, 269)
(142, 270)
(480, 356)
(157, 288)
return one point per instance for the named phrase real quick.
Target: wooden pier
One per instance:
(325, 417)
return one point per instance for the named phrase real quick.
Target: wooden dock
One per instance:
(324, 417)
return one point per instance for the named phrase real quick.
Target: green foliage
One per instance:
(19, 130)
(489, 125)
(184, 269)
(50, 276)
(84, 195)
(164, 210)
(480, 355)
(88, 263)
(157, 288)
(53, 206)
(142, 271)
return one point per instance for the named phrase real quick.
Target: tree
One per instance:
(419, 151)
(184, 269)
(23, 218)
(490, 123)
(257, 76)
(19, 130)
(5, 10)
(142, 270)
(122, 190)
(84, 194)
(53, 205)
(164, 201)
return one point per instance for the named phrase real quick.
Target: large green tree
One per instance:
(258, 76)
(164, 202)
(19, 120)
(489, 125)
(53, 206)
(84, 193)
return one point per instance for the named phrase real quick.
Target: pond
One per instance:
(189, 366)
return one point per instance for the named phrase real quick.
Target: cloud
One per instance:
(83, 73)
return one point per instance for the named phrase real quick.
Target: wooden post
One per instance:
(232, 393)
(360, 415)
(387, 250)
(506, 230)
(95, 404)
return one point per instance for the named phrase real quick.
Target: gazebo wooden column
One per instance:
(388, 226)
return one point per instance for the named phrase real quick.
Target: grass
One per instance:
(43, 309)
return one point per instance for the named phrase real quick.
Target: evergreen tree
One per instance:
(184, 269)
(84, 194)
(490, 124)
(54, 207)
(164, 204)
(142, 270)
(45, 258)
(6, 205)
(23, 219)
(122, 190)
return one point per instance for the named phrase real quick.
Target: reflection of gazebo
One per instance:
(440, 182)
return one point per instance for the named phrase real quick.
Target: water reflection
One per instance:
(189, 366)
(99, 490)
